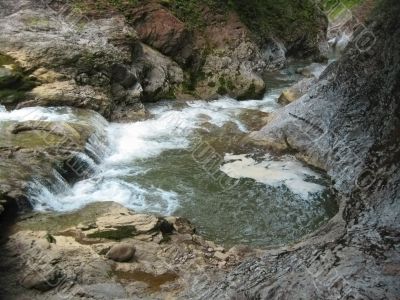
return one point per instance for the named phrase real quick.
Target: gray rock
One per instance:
(121, 252)
(42, 281)
(104, 291)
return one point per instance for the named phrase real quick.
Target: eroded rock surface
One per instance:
(111, 253)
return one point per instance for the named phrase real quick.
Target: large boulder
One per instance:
(160, 76)
(74, 62)
(160, 29)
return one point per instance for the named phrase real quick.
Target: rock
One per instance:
(182, 225)
(76, 67)
(141, 222)
(39, 147)
(159, 28)
(161, 75)
(275, 54)
(313, 70)
(221, 256)
(63, 93)
(48, 76)
(157, 269)
(103, 291)
(121, 252)
(42, 280)
(5, 75)
(296, 91)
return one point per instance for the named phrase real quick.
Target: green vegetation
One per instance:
(118, 234)
(50, 238)
(280, 17)
(5, 60)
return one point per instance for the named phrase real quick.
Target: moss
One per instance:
(249, 93)
(117, 234)
(50, 238)
(225, 86)
(36, 21)
(8, 97)
(5, 60)
(222, 90)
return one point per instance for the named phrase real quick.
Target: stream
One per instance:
(192, 159)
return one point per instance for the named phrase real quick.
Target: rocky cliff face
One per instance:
(109, 56)
(349, 125)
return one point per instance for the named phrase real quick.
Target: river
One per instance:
(192, 159)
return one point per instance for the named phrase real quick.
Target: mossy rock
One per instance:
(116, 234)
(6, 60)
(14, 83)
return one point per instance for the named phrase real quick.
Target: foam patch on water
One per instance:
(285, 172)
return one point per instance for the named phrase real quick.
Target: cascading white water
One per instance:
(149, 166)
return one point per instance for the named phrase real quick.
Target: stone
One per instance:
(103, 291)
(159, 28)
(141, 222)
(42, 280)
(68, 93)
(221, 256)
(121, 252)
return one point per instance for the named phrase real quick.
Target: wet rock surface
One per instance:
(133, 257)
(42, 150)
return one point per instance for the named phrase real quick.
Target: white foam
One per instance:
(287, 171)
(105, 189)
(37, 114)
(170, 129)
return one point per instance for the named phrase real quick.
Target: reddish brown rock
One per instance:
(159, 28)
